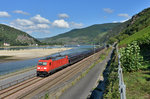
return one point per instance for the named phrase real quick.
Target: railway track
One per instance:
(11, 90)
(77, 68)
(55, 82)
(31, 87)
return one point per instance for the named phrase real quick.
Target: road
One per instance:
(82, 89)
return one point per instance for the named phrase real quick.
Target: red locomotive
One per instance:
(51, 64)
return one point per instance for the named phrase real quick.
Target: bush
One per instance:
(130, 57)
(112, 40)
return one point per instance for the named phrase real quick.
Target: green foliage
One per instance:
(122, 36)
(112, 40)
(46, 96)
(130, 57)
(137, 84)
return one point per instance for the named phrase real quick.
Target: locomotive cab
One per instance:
(43, 67)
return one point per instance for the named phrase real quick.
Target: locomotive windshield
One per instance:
(42, 63)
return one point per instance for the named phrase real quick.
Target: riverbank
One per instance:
(13, 55)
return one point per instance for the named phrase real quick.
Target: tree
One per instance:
(130, 57)
(112, 40)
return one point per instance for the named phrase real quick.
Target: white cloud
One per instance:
(42, 31)
(34, 24)
(29, 32)
(108, 10)
(76, 25)
(60, 23)
(124, 15)
(20, 12)
(4, 14)
(120, 21)
(43, 26)
(37, 27)
(63, 15)
(39, 19)
(38, 24)
(124, 20)
(38, 31)
(115, 21)
(22, 22)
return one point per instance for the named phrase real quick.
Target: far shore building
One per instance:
(6, 44)
(33, 44)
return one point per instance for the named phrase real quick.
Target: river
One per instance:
(13, 66)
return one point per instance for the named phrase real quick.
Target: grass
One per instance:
(138, 35)
(137, 85)
(112, 85)
(104, 54)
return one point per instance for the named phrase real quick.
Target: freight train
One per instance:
(51, 64)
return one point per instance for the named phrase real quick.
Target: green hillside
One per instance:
(86, 35)
(142, 36)
(15, 37)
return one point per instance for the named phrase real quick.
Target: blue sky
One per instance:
(46, 18)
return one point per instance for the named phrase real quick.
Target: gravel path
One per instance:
(82, 89)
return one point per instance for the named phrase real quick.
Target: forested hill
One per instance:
(15, 37)
(86, 35)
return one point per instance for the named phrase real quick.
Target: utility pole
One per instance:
(94, 50)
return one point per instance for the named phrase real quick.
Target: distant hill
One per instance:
(15, 37)
(86, 35)
(114, 31)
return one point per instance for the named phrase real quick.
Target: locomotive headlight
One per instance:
(45, 68)
(38, 68)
